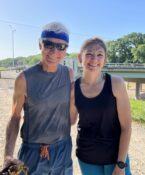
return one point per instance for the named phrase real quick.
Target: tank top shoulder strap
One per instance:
(77, 83)
(108, 83)
(77, 87)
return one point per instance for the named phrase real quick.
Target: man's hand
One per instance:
(13, 167)
(10, 161)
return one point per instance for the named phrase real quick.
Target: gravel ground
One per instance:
(137, 145)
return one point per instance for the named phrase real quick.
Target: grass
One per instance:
(2, 68)
(138, 110)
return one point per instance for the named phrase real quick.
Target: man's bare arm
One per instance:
(11, 135)
(14, 122)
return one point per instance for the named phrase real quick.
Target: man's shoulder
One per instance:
(31, 68)
(70, 72)
(63, 66)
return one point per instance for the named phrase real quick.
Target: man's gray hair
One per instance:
(56, 27)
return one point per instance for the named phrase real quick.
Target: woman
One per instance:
(102, 104)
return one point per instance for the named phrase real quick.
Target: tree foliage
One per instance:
(128, 49)
(123, 49)
(71, 55)
(30, 60)
(139, 53)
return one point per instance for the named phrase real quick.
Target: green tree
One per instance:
(112, 52)
(121, 49)
(71, 55)
(31, 60)
(139, 54)
(8, 62)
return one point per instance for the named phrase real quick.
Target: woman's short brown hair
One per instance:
(95, 40)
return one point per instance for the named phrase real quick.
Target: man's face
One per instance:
(53, 51)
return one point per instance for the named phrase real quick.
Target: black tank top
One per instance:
(98, 126)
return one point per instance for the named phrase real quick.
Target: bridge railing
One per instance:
(125, 65)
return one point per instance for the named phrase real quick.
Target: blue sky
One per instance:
(108, 19)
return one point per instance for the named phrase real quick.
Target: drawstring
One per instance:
(44, 151)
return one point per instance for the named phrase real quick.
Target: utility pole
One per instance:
(13, 51)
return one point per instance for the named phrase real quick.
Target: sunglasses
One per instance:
(51, 45)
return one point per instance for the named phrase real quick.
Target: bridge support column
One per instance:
(138, 87)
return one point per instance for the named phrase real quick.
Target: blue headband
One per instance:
(52, 34)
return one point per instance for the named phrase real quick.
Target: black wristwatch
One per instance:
(121, 164)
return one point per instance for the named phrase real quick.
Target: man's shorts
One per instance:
(58, 162)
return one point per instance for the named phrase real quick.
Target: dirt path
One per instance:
(137, 146)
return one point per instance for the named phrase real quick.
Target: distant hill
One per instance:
(30, 60)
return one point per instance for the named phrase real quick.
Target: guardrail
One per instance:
(125, 65)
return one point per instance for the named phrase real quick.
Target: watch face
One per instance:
(121, 165)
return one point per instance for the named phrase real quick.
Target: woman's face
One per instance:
(93, 57)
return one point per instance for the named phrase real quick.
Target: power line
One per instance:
(33, 26)
(20, 24)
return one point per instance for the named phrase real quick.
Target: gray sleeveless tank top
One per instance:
(46, 110)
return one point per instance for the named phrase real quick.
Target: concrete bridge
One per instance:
(130, 72)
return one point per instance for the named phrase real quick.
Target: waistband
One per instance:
(53, 145)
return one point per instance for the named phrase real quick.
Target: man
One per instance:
(43, 92)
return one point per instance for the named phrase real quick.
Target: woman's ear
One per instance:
(80, 58)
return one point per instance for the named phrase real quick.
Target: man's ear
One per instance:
(80, 58)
